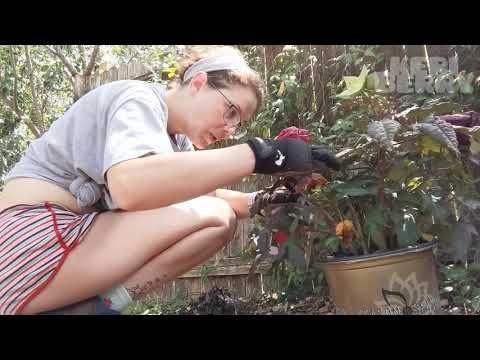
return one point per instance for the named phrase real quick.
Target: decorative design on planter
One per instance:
(402, 297)
(407, 297)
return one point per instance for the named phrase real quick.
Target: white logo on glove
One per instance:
(279, 158)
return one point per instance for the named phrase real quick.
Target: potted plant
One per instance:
(372, 228)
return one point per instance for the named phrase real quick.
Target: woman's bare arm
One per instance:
(161, 180)
(238, 201)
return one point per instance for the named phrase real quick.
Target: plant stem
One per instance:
(359, 230)
(330, 219)
(381, 177)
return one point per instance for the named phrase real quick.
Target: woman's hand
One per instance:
(291, 157)
(263, 199)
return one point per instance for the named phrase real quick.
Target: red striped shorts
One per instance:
(34, 243)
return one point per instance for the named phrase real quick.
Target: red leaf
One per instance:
(280, 237)
(294, 133)
(317, 180)
(308, 183)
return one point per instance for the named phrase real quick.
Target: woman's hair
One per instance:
(223, 78)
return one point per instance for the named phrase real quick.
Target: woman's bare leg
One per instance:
(176, 260)
(129, 247)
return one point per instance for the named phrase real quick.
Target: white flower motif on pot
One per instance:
(406, 296)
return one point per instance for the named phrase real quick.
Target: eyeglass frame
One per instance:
(238, 124)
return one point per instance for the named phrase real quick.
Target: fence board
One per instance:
(104, 78)
(113, 74)
(439, 50)
(123, 72)
(252, 286)
(237, 286)
(415, 50)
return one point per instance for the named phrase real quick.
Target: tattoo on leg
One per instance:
(138, 292)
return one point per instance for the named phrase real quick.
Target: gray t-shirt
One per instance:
(115, 122)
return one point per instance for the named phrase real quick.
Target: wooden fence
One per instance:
(131, 71)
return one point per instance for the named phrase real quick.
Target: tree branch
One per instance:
(36, 108)
(44, 105)
(89, 69)
(15, 78)
(83, 59)
(20, 115)
(36, 132)
(58, 52)
(68, 76)
(51, 50)
(9, 103)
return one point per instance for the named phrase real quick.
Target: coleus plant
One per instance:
(404, 182)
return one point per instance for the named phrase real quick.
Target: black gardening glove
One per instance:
(291, 157)
(279, 196)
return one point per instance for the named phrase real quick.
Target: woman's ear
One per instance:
(198, 81)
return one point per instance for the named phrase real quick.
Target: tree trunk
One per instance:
(80, 81)
(81, 85)
(36, 113)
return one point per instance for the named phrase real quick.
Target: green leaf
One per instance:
(356, 187)
(415, 183)
(464, 82)
(280, 220)
(475, 133)
(396, 173)
(440, 131)
(296, 256)
(446, 290)
(293, 226)
(354, 84)
(475, 291)
(261, 240)
(372, 82)
(474, 268)
(454, 272)
(342, 126)
(442, 107)
(406, 229)
(465, 289)
(471, 204)
(414, 113)
(474, 147)
(417, 114)
(461, 238)
(430, 146)
(320, 277)
(322, 224)
(383, 131)
(374, 225)
(399, 170)
(279, 103)
(332, 243)
(433, 207)
(266, 132)
(240, 135)
(476, 303)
